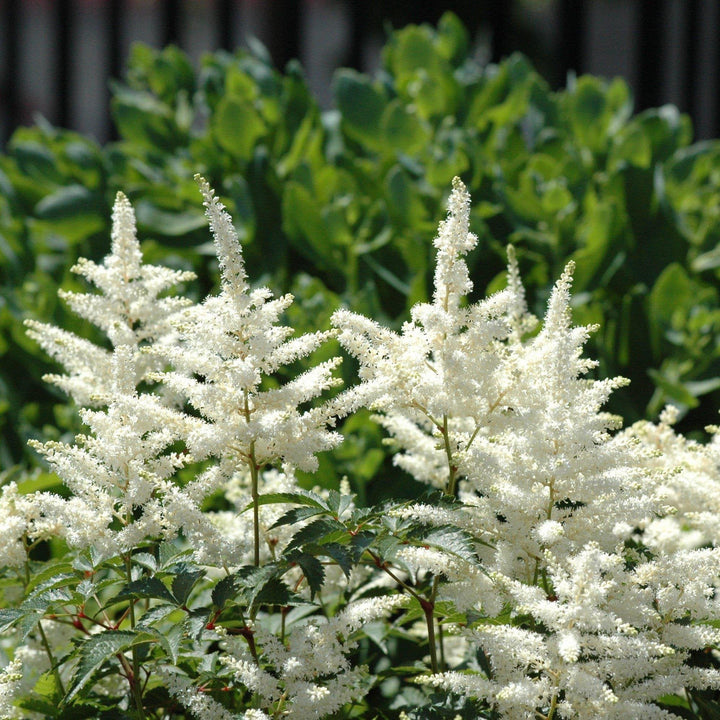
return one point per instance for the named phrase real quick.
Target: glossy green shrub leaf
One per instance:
(596, 111)
(351, 196)
(402, 129)
(167, 72)
(361, 105)
(145, 120)
(672, 294)
(238, 126)
(165, 222)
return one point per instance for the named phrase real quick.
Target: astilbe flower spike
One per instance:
(130, 309)
(122, 464)
(227, 346)
(510, 423)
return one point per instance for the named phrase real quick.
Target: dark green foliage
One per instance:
(352, 196)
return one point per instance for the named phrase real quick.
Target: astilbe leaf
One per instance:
(97, 650)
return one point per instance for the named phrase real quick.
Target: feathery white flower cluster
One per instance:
(130, 310)
(510, 424)
(198, 703)
(120, 473)
(227, 345)
(10, 679)
(595, 564)
(309, 677)
(690, 486)
(221, 350)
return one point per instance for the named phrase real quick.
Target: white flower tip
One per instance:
(670, 414)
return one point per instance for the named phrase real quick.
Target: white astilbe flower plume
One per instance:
(690, 485)
(121, 475)
(129, 309)
(10, 679)
(227, 346)
(511, 425)
(444, 379)
(309, 677)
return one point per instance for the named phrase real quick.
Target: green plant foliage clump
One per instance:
(336, 205)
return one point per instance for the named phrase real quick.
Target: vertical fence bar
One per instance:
(115, 59)
(690, 53)
(225, 18)
(171, 11)
(500, 20)
(649, 53)
(282, 24)
(63, 21)
(572, 33)
(358, 32)
(9, 83)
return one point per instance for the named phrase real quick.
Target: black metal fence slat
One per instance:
(63, 20)
(649, 53)
(280, 22)
(571, 31)
(9, 91)
(225, 21)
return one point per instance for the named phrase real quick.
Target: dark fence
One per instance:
(56, 56)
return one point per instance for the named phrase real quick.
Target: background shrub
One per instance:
(337, 207)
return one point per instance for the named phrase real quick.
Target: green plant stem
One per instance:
(43, 636)
(428, 608)
(254, 474)
(553, 706)
(441, 644)
(452, 468)
(51, 657)
(134, 678)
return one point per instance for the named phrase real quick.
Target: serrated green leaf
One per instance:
(163, 639)
(195, 624)
(183, 583)
(387, 547)
(96, 650)
(451, 540)
(46, 708)
(308, 498)
(274, 592)
(227, 589)
(296, 515)
(50, 575)
(10, 616)
(312, 570)
(151, 587)
(159, 613)
(171, 640)
(315, 532)
(339, 553)
(170, 554)
(146, 560)
(47, 687)
(339, 503)
(360, 542)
